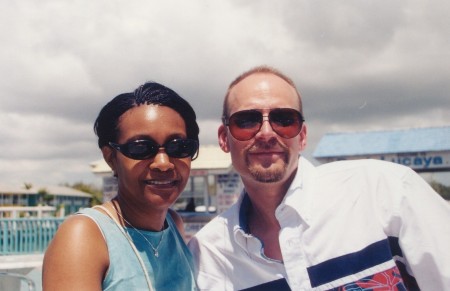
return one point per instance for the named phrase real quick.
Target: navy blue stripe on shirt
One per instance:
(243, 213)
(279, 285)
(395, 247)
(409, 280)
(373, 255)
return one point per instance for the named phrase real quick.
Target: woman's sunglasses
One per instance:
(146, 149)
(244, 125)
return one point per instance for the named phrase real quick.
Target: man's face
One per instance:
(266, 157)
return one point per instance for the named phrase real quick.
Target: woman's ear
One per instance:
(110, 158)
(223, 138)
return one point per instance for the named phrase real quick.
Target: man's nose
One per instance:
(266, 127)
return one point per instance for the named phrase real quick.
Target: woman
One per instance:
(133, 242)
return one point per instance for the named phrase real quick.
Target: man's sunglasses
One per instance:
(146, 149)
(244, 125)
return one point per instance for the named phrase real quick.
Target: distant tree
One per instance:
(44, 196)
(97, 195)
(443, 190)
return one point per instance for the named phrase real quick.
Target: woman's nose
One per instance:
(161, 161)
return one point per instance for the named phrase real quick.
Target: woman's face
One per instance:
(153, 183)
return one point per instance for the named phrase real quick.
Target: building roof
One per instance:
(210, 157)
(65, 191)
(15, 189)
(412, 140)
(53, 190)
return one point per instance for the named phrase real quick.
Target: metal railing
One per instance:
(27, 235)
(23, 236)
(20, 278)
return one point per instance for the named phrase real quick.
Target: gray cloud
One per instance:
(360, 65)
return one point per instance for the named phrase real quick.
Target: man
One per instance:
(349, 225)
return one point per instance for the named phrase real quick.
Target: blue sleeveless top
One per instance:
(172, 270)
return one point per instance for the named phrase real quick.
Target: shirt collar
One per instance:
(243, 212)
(299, 194)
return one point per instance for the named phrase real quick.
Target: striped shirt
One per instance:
(350, 225)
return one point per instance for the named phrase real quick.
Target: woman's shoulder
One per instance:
(78, 249)
(175, 216)
(177, 221)
(78, 229)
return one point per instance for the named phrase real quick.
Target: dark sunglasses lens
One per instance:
(181, 148)
(286, 122)
(246, 119)
(141, 149)
(245, 124)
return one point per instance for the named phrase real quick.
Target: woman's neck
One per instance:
(136, 216)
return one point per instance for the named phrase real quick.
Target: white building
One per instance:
(65, 199)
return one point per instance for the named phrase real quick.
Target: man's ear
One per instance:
(110, 158)
(223, 138)
(303, 137)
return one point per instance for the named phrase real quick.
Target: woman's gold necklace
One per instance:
(155, 249)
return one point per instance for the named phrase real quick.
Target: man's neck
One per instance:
(266, 197)
(264, 203)
(262, 221)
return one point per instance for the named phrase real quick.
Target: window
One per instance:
(197, 195)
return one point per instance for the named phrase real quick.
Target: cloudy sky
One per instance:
(359, 65)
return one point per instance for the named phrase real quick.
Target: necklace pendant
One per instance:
(156, 253)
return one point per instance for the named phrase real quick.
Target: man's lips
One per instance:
(266, 152)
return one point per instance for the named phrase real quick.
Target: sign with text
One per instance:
(420, 162)
(228, 189)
